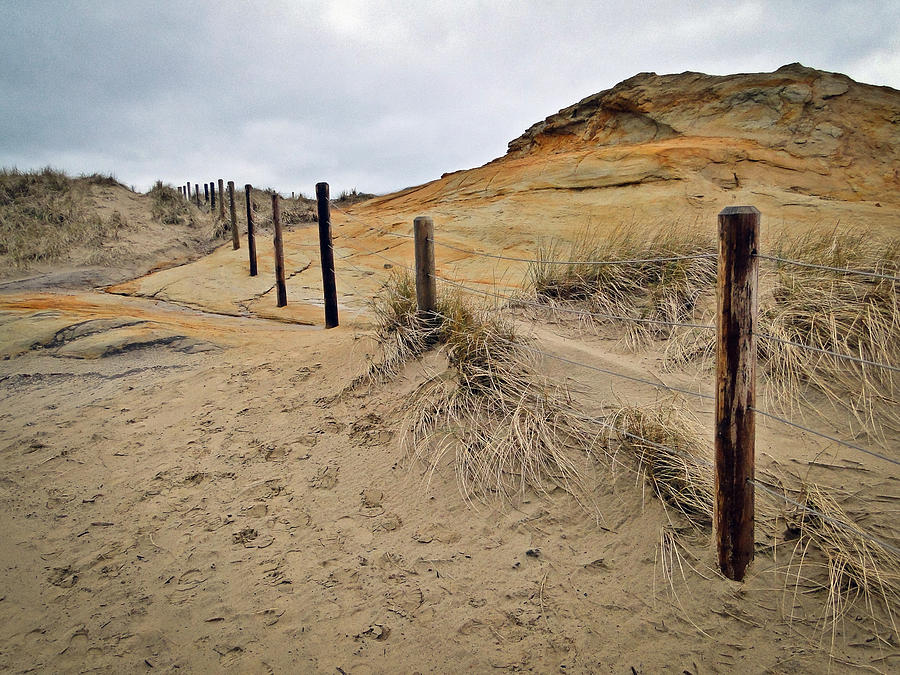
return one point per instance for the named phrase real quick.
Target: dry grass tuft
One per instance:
(667, 291)
(664, 446)
(505, 427)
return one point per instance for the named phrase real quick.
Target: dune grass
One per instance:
(639, 294)
(847, 314)
(45, 214)
(169, 207)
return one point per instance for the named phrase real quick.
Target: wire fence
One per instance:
(517, 301)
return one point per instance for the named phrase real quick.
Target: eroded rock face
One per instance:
(796, 119)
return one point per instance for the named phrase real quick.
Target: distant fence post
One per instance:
(426, 283)
(188, 190)
(279, 252)
(181, 190)
(206, 193)
(221, 199)
(326, 254)
(736, 388)
(235, 235)
(212, 197)
(197, 193)
(251, 237)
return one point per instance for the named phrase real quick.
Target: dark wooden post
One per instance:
(326, 255)
(222, 199)
(181, 190)
(206, 193)
(197, 194)
(212, 197)
(251, 237)
(188, 192)
(426, 283)
(279, 252)
(235, 235)
(736, 387)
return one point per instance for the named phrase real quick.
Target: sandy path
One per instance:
(209, 505)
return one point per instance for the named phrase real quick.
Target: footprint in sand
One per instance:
(325, 478)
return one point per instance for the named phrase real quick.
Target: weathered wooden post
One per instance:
(212, 197)
(181, 190)
(426, 282)
(235, 235)
(206, 193)
(326, 255)
(188, 191)
(221, 199)
(251, 237)
(279, 252)
(197, 194)
(736, 387)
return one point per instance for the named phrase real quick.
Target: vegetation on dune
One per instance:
(45, 214)
(633, 298)
(169, 207)
(506, 428)
(832, 312)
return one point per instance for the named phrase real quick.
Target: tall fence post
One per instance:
(279, 252)
(326, 255)
(426, 283)
(188, 192)
(251, 236)
(235, 235)
(206, 192)
(221, 199)
(197, 193)
(212, 197)
(736, 387)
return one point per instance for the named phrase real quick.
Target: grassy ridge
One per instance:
(44, 214)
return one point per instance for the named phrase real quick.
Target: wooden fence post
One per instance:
(426, 283)
(326, 255)
(222, 199)
(181, 190)
(279, 252)
(212, 197)
(251, 237)
(235, 235)
(736, 387)
(188, 192)
(206, 193)
(197, 194)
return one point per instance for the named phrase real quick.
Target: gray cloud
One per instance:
(373, 95)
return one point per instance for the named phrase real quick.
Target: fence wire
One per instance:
(838, 355)
(833, 439)
(842, 270)
(834, 521)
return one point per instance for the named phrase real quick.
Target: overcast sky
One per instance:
(372, 95)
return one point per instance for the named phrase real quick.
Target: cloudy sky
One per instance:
(365, 94)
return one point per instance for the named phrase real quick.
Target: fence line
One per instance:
(834, 439)
(547, 261)
(843, 270)
(730, 528)
(847, 357)
(834, 521)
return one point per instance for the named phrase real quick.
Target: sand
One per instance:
(188, 491)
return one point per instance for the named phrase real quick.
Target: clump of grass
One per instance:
(169, 207)
(348, 197)
(856, 567)
(662, 444)
(633, 295)
(505, 427)
(45, 214)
